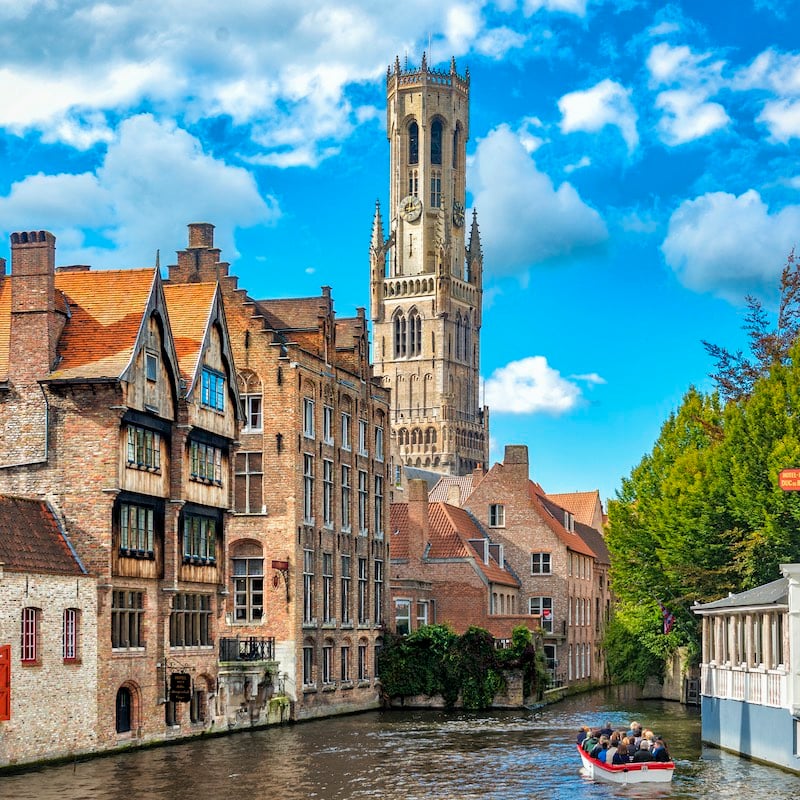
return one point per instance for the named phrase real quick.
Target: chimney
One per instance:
(35, 327)
(454, 495)
(419, 521)
(201, 234)
(515, 461)
(199, 262)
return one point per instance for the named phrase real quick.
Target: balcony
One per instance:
(247, 648)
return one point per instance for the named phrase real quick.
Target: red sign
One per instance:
(789, 480)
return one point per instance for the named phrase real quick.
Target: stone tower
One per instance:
(426, 282)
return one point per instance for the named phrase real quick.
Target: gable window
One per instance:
(308, 489)
(205, 463)
(248, 589)
(379, 444)
(497, 515)
(253, 413)
(541, 564)
(308, 418)
(248, 483)
(144, 448)
(151, 367)
(362, 437)
(345, 431)
(543, 606)
(127, 617)
(413, 143)
(189, 620)
(29, 649)
(212, 389)
(199, 539)
(136, 530)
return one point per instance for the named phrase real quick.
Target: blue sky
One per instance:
(633, 164)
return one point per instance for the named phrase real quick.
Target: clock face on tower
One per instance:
(458, 214)
(410, 208)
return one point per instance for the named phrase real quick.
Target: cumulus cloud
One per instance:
(778, 72)
(670, 64)
(782, 118)
(688, 116)
(524, 218)
(577, 7)
(581, 163)
(728, 245)
(531, 385)
(606, 103)
(155, 178)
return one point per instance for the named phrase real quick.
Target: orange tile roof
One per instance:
(189, 307)
(582, 505)
(106, 311)
(31, 540)
(548, 511)
(398, 521)
(5, 325)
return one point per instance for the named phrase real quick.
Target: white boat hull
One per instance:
(645, 772)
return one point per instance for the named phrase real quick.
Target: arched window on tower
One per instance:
(458, 335)
(467, 337)
(414, 333)
(436, 142)
(399, 336)
(413, 143)
(455, 148)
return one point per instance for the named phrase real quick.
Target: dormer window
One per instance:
(212, 387)
(569, 522)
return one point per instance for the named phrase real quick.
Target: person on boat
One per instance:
(643, 753)
(632, 748)
(613, 746)
(603, 754)
(602, 743)
(583, 733)
(606, 730)
(590, 741)
(621, 756)
(659, 751)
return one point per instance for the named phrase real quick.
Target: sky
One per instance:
(634, 167)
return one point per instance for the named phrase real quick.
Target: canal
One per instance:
(410, 756)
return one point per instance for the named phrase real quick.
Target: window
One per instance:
(436, 142)
(144, 448)
(29, 650)
(249, 483)
(345, 593)
(70, 635)
(362, 437)
(550, 657)
(205, 463)
(363, 499)
(127, 617)
(199, 539)
(308, 665)
(136, 530)
(327, 662)
(151, 367)
(345, 498)
(455, 148)
(379, 444)
(253, 413)
(543, 606)
(327, 493)
(497, 516)
(344, 662)
(308, 586)
(399, 336)
(327, 587)
(363, 666)
(402, 617)
(189, 621)
(422, 613)
(413, 143)
(124, 710)
(308, 489)
(363, 591)
(377, 617)
(345, 431)
(327, 424)
(541, 564)
(5, 682)
(308, 418)
(436, 189)
(212, 390)
(378, 506)
(414, 334)
(413, 182)
(248, 589)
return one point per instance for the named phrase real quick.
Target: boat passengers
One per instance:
(637, 745)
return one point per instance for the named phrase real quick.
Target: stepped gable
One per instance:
(189, 307)
(553, 515)
(31, 539)
(105, 315)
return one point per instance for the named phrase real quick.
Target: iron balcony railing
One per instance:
(247, 648)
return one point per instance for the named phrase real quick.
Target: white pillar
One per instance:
(792, 572)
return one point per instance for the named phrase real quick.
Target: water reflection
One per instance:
(411, 756)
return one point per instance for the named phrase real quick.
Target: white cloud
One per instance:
(590, 377)
(664, 28)
(730, 246)
(577, 7)
(606, 103)
(524, 218)
(772, 70)
(155, 179)
(782, 118)
(688, 116)
(530, 386)
(671, 65)
(581, 163)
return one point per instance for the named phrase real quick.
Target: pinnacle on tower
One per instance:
(376, 241)
(424, 65)
(474, 249)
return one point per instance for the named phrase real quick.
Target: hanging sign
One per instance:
(180, 687)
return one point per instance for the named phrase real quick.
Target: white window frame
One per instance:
(346, 420)
(402, 612)
(538, 605)
(308, 418)
(253, 405)
(497, 515)
(327, 424)
(379, 443)
(363, 435)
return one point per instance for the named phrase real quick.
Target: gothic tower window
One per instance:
(399, 336)
(436, 189)
(413, 182)
(455, 148)
(413, 143)
(414, 334)
(436, 142)
(458, 335)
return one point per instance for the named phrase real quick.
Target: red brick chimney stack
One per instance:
(199, 262)
(515, 461)
(418, 519)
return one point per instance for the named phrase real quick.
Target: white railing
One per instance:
(759, 687)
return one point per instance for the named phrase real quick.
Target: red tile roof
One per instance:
(106, 311)
(398, 521)
(31, 540)
(553, 515)
(189, 308)
(582, 505)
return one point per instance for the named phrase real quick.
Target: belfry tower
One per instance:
(425, 283)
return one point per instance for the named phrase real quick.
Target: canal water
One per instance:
(411, 755)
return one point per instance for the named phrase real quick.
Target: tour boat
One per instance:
(635, 772)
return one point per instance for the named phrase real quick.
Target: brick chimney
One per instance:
(199, 262)
(418, 519)
(35, 323)
(515, 461)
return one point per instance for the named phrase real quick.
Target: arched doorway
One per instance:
(124, 714)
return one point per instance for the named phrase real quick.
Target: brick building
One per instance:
(445, 569)
(48, 622)
(307, 548)
(119, 405)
